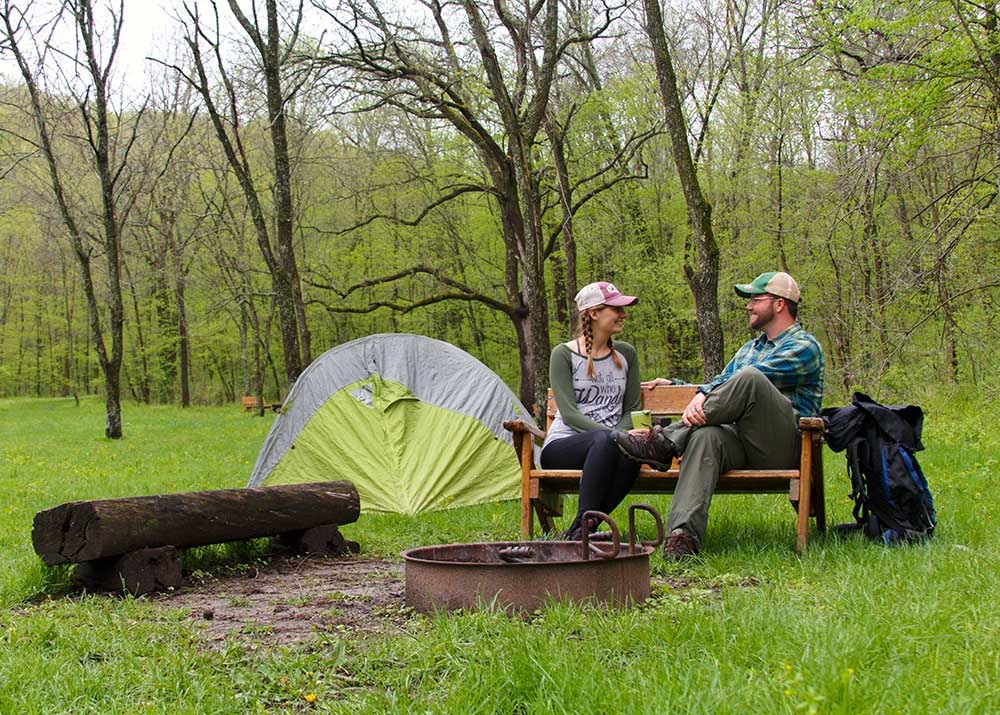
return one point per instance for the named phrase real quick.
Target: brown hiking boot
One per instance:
(679, 545)
(650, 447)
(575, 532)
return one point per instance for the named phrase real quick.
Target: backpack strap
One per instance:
(858, 493)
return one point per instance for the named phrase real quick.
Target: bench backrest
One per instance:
(662, 400)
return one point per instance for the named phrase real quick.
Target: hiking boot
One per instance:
(679, 545)
(650, 447)
(575, 532)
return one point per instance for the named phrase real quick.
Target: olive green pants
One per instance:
(751, 425)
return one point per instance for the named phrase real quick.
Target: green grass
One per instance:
(748, 627)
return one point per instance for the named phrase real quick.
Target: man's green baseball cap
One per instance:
(774, 283)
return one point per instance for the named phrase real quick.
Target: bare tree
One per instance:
(273, 56)
(609, 155)
(701, 268)
(488, 71)
(166, 229)
(107, 136)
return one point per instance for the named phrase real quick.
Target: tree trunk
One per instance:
(565, 286)
(525, 284)
(702, 272)
(183, 342)
(113, 403)
(284, 301)
(141, 350)
(942, 277)
(71, 378)
(284, 210)
(280, 262)
(39, 348)
(840, 325)
(93, 110)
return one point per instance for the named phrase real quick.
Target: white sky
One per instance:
(149, 29)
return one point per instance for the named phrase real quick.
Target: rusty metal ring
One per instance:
(631, 526)
(589, 548)
(517, 554)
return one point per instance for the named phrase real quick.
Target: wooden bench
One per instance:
(250, 404)
(542, 490)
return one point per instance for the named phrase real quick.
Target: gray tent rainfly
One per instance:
(414, 423)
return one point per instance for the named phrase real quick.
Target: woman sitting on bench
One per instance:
(595, 382)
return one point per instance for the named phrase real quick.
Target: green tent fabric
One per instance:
(461, 462)
(412, 422)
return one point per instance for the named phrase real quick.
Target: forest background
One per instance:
(291, 176)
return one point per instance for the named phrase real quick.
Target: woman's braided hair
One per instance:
(586, 331)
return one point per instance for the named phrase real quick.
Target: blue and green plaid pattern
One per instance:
(793, 362)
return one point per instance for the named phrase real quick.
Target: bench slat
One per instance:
(668, 399)
(646, 473)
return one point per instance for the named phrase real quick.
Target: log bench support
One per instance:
(323, 540)
(132, 544)
(542, 490)
(137, 572)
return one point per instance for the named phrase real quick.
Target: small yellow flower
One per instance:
(310, 697)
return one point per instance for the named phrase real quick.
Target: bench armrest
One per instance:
(523, 427)
(811, 424)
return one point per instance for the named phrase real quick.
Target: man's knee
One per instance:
(750, 374)
(709, 437)
(715, 448)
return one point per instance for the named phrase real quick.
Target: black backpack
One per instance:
(892, 502)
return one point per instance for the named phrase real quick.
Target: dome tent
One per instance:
(414, 423)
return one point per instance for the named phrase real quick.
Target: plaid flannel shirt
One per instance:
(793, 362)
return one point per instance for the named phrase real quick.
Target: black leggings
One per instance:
(607, 474)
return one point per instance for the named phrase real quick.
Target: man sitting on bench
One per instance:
(745, 417)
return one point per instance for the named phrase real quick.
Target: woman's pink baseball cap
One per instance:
(602, 293)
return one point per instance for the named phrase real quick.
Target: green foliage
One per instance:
(865, 167)
(747, 627)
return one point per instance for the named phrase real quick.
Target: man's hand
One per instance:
(694, 413)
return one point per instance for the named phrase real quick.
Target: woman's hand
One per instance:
(650, 384)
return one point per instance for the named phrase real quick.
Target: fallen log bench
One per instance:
(132, 543)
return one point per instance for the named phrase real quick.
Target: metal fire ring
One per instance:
(522, 576)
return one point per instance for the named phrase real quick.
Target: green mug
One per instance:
(642, 419)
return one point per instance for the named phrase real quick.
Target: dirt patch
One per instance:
(294, 599)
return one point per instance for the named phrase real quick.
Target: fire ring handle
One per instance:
(589, 548)
(631, 526)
